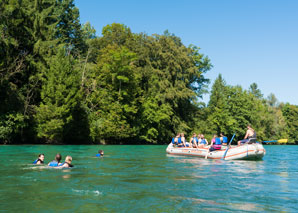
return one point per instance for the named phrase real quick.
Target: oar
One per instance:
(223, 157)
(278, 141)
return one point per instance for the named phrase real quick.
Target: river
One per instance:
(145, 179)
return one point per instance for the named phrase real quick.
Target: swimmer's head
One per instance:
(58, 157)
(68, 159)
(41, 157)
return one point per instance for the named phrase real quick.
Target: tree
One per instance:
(59, 94)
(253, 89)
(111, 94)
(220, 105)
(290, 112)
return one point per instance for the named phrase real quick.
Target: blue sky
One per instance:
(247, 41)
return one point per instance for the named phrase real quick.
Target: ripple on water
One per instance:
(146, 179)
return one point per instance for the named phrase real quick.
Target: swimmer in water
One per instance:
(57, 160)
(67, 163)
(39, 160)
(100, 153)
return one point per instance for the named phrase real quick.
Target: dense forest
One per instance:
(61, 83)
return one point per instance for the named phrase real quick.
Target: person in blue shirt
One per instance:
(100, 153)
(39, 160)
(57, 160)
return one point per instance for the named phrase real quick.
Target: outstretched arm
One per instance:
(246, 135)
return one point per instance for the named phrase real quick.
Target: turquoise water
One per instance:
(146, 179)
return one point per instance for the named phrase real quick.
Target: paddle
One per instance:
(278, 141)
(223, 157)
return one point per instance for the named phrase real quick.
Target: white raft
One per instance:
(254, 151)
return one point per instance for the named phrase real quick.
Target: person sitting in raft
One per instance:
(67, 163)
(183, 139)
(250, 133)
(39, 160)
(203, 142)
(194, 141)
(100, 153)
(56, 161)
(215, 143)
(173, 141)
(213, 139)
(223, 139)
(199, 138)
(177, 141)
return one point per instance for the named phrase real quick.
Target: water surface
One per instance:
(146, 179)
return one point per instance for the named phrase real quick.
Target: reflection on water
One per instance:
(146, 179)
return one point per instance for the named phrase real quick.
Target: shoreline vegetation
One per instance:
(60, 83)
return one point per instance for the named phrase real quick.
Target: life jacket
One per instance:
(195, 139)
(35, 162)
(179, 140)
(224, 139)
(217, 141)
(173, 140)
(203, 141)
(98, 155)
(54, 163)
(70, 165)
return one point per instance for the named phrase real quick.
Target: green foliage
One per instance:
(253, 89)
(290, 112)
(59, 94)
(231, 108)
(61, 83)
(10, 125)
(112, 94)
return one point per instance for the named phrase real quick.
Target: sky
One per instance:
(247, 41)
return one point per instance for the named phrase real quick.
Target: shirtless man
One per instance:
(250, 133)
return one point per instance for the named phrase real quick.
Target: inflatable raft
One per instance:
(253, 151)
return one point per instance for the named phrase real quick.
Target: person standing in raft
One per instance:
(250, 133)
(56, 161)
(100, 153)
(67, 163)
(39, 160)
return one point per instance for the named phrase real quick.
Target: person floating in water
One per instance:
(250, 134)
(56, 161)
(67, 163)
(100, 153)
(39, 160)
